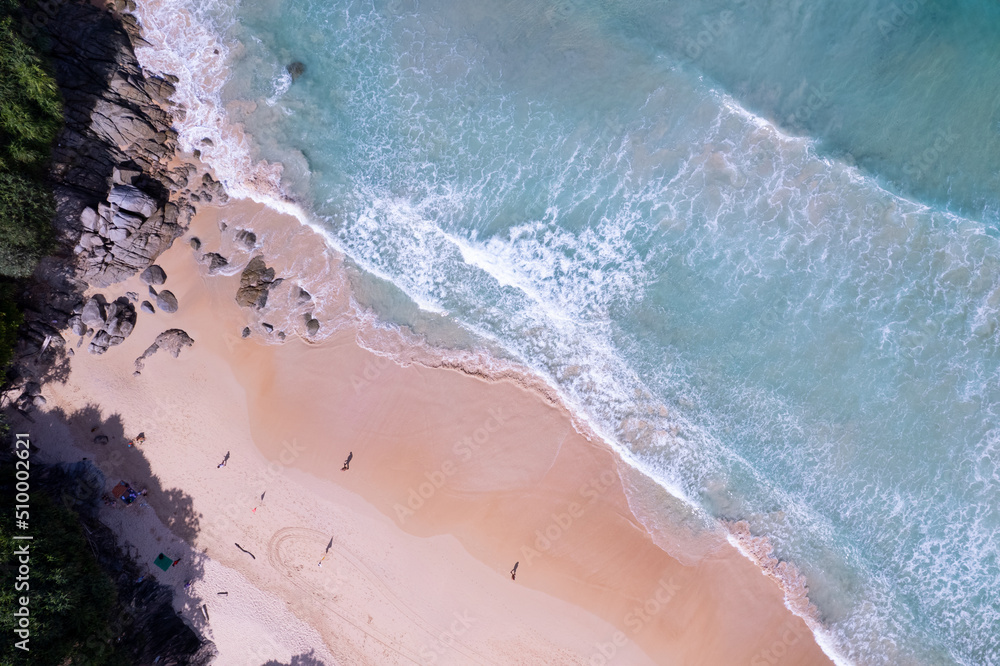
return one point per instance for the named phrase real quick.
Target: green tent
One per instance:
(163, 561)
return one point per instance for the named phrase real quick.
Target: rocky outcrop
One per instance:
(247, 239)
(171, 341)
(255, 282)
(110, 165)
(119, 204)
(111, 179)
(216, 262)
(110, 323)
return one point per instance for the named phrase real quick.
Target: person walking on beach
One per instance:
(224, 461)
(347, 463)
(513, 572)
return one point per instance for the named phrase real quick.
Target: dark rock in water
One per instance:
(212, 189)
(147, 307)
(171, 341)
(281, 335)
(216, 262)
(207, 142)
(101, 439)
(267, 327)
(153, 275)
(255, 282)
(246, 332)
(166, 301)
(247, 239)
(195, 243)
(296, 69)
(303, 296)
(312, 326)
(93, 314)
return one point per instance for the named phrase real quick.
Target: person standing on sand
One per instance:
(347, 463)
(224, 461)
(513, 572)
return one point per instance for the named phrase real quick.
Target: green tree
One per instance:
(10, 320)
(30, 120)
(26, 210)
(30, 107)
(70, 600)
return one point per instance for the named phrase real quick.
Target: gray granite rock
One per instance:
(255, 282)
(93, 314)
(166, 301)
(153, 275)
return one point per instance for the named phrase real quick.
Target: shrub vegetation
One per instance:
(30, 120)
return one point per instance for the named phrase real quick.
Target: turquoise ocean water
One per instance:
(755, 244)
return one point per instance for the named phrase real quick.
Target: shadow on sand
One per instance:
(147, 596)
(304, 659)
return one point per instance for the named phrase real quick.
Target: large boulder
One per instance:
(132, 199)
(216, 262)
(124, 175)
(121, 319)
(166, 301)
(171, 341)
(77, 326)
(100, 343)
(153, 275)
(255, 282)
(247, 239)
(296, 69)
(93, 314)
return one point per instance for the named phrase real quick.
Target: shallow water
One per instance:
(755, 249)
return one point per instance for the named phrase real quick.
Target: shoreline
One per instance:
(554, 506)
(460, 473)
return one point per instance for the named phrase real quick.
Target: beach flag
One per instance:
(163, 561)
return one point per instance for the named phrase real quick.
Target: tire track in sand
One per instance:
(286, 536)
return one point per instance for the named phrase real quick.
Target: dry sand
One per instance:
(453, 480)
